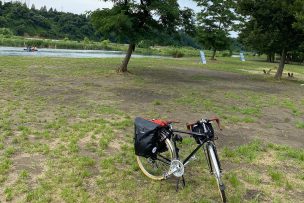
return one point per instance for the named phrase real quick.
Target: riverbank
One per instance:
(177, 52)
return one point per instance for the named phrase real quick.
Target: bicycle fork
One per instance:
(207, 155)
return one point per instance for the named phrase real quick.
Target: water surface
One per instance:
(66, 53)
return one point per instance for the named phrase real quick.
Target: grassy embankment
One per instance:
(66, 129)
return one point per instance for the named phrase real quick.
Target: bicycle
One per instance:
(164, 161)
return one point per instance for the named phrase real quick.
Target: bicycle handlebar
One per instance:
(216, 119)
(188, 132)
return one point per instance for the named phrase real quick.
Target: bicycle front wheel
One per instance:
(216, 170)
(157, 168)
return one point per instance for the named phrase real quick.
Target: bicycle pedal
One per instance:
(193, 158)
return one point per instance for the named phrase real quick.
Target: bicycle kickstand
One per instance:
(183, 183)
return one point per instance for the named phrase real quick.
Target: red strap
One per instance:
(160, 122)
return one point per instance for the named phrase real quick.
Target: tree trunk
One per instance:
(124, 66)
(213, 55)
(279, 73)
(269, 58)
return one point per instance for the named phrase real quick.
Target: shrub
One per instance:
(105, 43)
(176, 53)
(225, 54)
(6, 32)
(86, 40)
(144, 44)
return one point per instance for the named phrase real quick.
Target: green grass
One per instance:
(300, 124)
(66, 129)
(247, 153)
(276, 176)
(288, 153)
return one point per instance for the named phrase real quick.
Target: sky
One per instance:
(81, 6)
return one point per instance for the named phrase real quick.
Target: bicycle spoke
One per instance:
(166, 159)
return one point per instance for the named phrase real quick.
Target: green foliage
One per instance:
(273, 26)
(86, 40)
(6, 32)
(132, 22)
(22, 20)
(215, 21)
(187, 21)
(105, 43)
(176, 53)
(145, 44)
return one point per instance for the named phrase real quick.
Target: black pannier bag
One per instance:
(146, 139)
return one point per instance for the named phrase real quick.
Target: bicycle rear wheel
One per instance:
(157, 168)
(215, 167)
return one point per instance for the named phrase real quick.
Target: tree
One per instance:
(45, 23)
(187, 21)
(257, 40)
(214, 23)
(275, 25)
(133, 21)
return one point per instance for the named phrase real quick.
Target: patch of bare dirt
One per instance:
(138, 95)
(34, 164)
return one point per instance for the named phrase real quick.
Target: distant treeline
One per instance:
(52, 24)
(24, 21)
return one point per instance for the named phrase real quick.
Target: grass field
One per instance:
(66, 129)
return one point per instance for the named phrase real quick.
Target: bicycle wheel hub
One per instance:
(177, 168)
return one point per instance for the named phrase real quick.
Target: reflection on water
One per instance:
(66, 53)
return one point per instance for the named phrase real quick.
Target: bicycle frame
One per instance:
(205, 140)
(186, 161)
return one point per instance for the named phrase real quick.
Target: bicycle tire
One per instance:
(216, 171)
(151, 173)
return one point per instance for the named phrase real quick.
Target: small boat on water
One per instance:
(30, 49)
